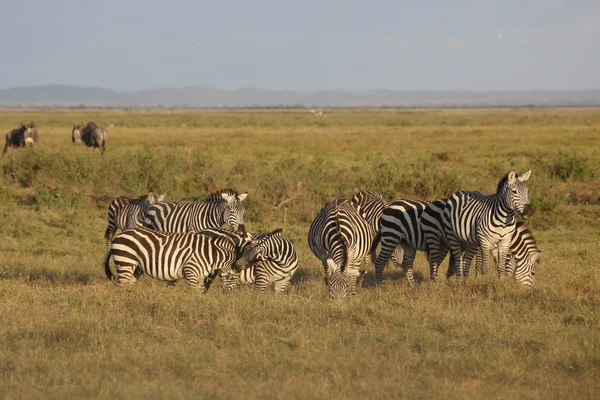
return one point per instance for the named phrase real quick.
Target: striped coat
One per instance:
(222, 207)
(174, 256)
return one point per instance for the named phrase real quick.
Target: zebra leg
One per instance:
(407, 263)
(503, 257)
(192, 276)
(398, 256)
(126, 273)
(326, 269)
(482, 259)
(387, 247)
(456, 256)
(467, 258)
(435, 260)
(260, 283)
(478, 258)
(209, 280)
(281, 284)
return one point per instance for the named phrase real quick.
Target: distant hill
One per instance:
(65, 95)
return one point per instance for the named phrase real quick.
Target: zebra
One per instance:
(340, 238)
(90, 134)
(399, 226)
(24, 135)
(278, 267)
(473, 220)
(125, 213)
(524, 254)
(222, 207)
(174, 256)
(432, 227)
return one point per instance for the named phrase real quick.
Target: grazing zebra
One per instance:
(279, 264)
(472, 220)
(125, 213)
(372, 205)
(432, 226)
(400, 225)
(90, 134)
(524, 254)
(173, 256)
(24, 135)
(222, 207)
(340, 237)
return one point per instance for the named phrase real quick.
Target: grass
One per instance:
(67, 332)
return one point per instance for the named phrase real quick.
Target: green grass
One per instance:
(67, 332)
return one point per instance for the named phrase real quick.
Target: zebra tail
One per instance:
(345, 245)
(376, 241)
(107, 271)
(107, 235)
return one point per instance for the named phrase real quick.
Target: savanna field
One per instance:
(67, 332)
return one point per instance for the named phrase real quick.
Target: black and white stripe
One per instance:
(340, 237)
(173, 256)
(279, 264)
(125, 213)
(524, 254)
(472, 220)
(400, 226)
(222, 207)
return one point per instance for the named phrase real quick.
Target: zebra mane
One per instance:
(501, 183)
(521, 225)
(345, 247)
(216, 196)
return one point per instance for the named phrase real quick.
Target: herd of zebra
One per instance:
(26, 135)
(170, 241)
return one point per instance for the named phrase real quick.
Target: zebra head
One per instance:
(340, 280)
(525, 271)
(233, 215)
(76, 134)
(252, 252)
(515, 193)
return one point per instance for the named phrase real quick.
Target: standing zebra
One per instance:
(279, 264)
(125, 213)
(432, 226)
(222, 207)
(173, 256)
(400, 225)
(340, 237)
(372, 205)
(472, 220)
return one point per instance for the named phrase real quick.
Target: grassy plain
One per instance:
(66, 332)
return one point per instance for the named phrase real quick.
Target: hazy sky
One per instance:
(302, 45)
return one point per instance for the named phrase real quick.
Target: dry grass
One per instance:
(67, 332)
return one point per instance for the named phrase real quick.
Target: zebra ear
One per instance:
(227, 197)
(151, 198)
(161, 197)
(242, 196)
(276, 232)
(523, 177)
(512, 175)
(535, 256)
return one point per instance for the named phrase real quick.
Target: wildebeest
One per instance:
(24, 135)
(90, 134)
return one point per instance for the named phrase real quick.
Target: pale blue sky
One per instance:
(302, 45)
